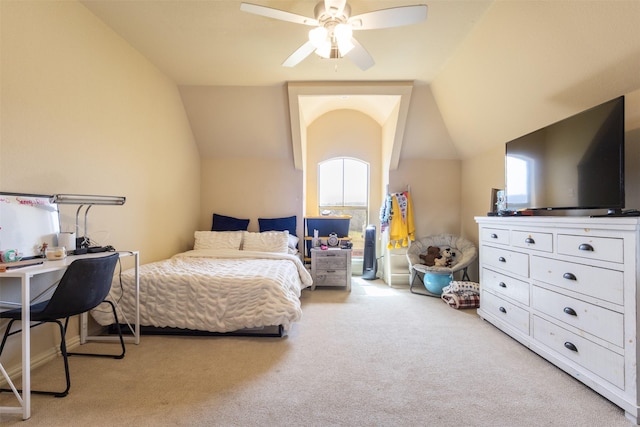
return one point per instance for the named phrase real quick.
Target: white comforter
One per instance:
(213, 290)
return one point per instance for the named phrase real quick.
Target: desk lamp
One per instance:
(82, 243)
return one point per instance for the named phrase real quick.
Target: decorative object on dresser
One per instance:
(331, 267)
(464, 253)
(566, 287)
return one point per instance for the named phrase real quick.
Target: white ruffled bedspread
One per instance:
(212, 290)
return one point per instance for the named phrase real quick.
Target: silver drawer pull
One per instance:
(501, 259)
(331, 271)
(530, 241)
(586, 247)
(502, 309)
(569, 276)
(570, 311)
(494, 236)
(502, 285)
(571, 346)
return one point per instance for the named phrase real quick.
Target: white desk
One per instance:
(25, 274)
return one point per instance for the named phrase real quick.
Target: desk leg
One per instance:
(137, 275)
(26, 348)
(84, 317)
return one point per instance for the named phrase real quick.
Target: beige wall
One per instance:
(83, 112)
(435, 193)
(250, 188)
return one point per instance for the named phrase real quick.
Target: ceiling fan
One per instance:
(333, 25)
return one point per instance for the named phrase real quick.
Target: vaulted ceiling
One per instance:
(488, 71)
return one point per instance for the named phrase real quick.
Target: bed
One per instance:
(230, 282)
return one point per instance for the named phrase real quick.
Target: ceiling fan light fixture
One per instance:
(318, 36)
(332, 35)
(324, 50)
(343, 34)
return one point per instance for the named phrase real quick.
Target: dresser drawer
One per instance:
(507, 260)
(505, 286)
(536, 241)
(599, 248)
(330, 278)
(600, 322)
(510, 313)
(600, 283)
(597, 359)
(495, 235)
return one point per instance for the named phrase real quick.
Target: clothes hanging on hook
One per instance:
(385, 213)
(397, 215)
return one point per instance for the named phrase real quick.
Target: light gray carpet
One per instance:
(377, 356)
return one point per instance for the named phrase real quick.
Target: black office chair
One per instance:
(84, 285)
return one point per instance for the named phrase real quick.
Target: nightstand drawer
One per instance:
(331, 260)
(330, 278)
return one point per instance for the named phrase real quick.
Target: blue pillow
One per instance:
(278, 224)
(228, 223)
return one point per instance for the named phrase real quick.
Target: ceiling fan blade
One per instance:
(301, 53)
(387, 18)
(282, 15)
(359, 56)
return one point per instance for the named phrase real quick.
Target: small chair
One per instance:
(465, 251)
(84, 285)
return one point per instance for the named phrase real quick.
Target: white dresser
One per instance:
(566, 287)
(331, 267)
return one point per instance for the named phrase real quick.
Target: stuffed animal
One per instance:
(447, 257)
(429, 258)
(441, 261)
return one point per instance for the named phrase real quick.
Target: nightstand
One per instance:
(331, 267)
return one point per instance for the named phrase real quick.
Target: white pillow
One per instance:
(217, 239)
(293, 241)
(267, 241)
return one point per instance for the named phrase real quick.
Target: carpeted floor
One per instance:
(376, 356)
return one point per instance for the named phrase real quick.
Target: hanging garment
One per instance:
(401, 226)
(385, 213)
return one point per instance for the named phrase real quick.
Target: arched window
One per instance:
(343, 189)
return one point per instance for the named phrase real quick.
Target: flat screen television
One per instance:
(576, 163)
